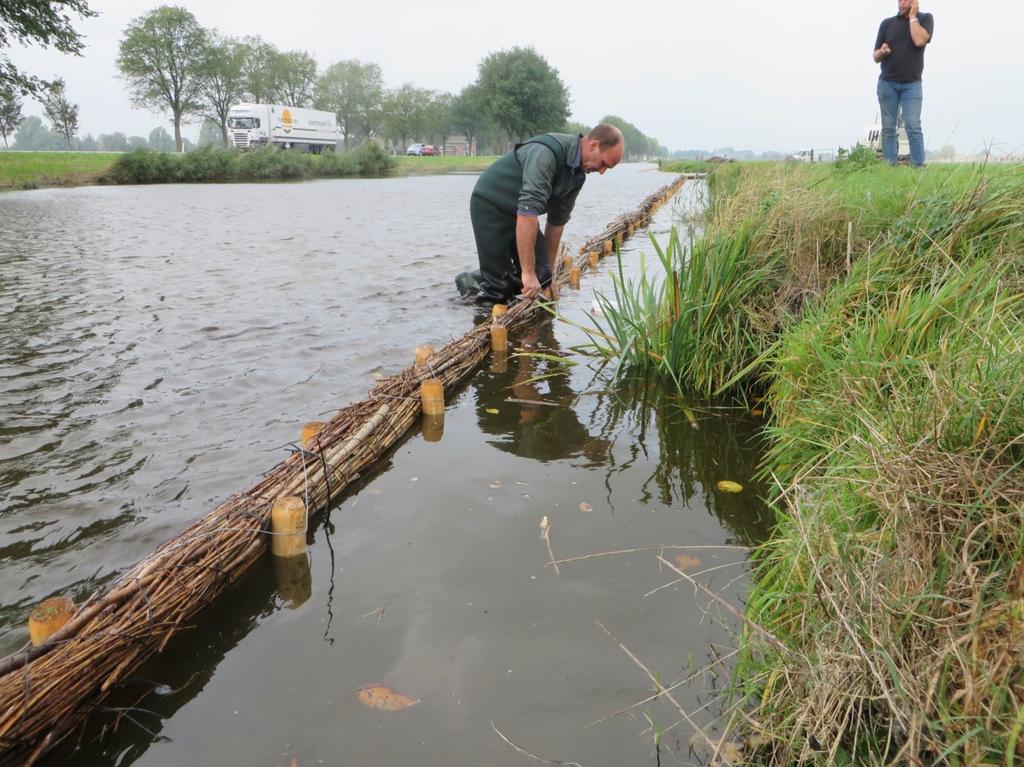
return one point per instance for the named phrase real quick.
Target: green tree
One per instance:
(88, 143)
(222, 83)
(638, 145)
(33, 136)
(405, 114)
(160, 140)
(10, 111)
(294, 76)
(575, 127)
(523, 93)
(210, 134)
(39, 22)
(470, 115)
(137, 142)
(112, 142)
(162, 56)
(62, 114)
(440, 118)
(354, 91)
(258, 70)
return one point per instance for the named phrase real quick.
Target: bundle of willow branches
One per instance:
(45, 690)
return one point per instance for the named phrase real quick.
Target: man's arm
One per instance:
(918, 33)
(526, 244)
(882, 49)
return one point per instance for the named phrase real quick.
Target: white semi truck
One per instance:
(872, 138)
(260, 125)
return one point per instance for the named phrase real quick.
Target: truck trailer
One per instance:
(872, 138)
(276, 125)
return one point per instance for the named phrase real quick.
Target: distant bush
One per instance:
(856, 158)
(145, 166)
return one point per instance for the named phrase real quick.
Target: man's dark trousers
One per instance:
(500, 271)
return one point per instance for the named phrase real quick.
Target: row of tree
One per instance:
(173, 64)
(32, 135)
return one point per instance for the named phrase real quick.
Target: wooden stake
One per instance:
(499, 338)
(288, 525)
(432, 396)
(310, 430)
(424, 353)
(47, 617)
(498, 309)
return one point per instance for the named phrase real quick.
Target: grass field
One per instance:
(428, 165)
(28, 170)
(878, 315)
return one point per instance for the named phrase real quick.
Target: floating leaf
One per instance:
(685, 562)
(757, 412)
(728, 486)
(493, 410)
(586, 507)
(383, 698)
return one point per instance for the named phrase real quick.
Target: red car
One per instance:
(429, 150)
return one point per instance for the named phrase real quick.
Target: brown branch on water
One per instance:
(536, 758)
(772, 639)
(662, 690)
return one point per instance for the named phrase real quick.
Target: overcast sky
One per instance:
(692, 73)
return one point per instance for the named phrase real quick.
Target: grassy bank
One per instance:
(880, 312)
(686, 166)
(30, 170)
(417, 166)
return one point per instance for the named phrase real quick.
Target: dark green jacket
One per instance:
(541, 175)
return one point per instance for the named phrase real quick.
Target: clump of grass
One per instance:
(882, 313)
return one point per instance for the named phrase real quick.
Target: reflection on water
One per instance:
(160, 348)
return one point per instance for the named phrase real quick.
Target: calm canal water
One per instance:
(160, 347)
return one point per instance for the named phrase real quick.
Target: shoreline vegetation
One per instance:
(35, 170)
(876, 315)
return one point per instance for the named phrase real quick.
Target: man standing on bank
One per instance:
(542, 175)
(899, 48)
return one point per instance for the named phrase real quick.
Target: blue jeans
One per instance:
(893, 97)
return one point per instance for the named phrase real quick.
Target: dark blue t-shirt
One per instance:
(906, 62)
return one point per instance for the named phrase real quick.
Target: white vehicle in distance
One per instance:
(284, 127)
(414, 150)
